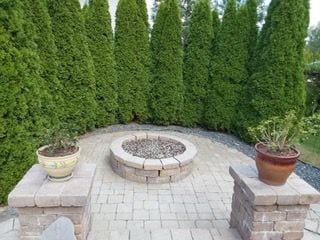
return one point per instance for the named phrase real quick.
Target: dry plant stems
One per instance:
(277, 133)
(60, 139)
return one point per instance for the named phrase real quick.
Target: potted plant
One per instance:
(60, 153)
(276, 156)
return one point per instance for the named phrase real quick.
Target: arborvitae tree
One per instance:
(166, 47)
(76, 68)
(215, 30)
(133, 62)
(196, 63)
(37, 12)
(252, 6)
(228, 70)
(277, 85)
(100, 41)
(186, 7)
(214, 44)
(248, 34)
(142, 8)
(21, 93)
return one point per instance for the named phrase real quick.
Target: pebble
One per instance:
(153, 148)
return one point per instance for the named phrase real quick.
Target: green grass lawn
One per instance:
(310, 150)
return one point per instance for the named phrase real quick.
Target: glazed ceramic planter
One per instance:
(274, 169)
(59, 168)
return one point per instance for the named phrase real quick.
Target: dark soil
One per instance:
(61, 152)
(287, 152)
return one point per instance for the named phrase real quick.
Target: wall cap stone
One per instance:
(35, 190)
(295, 191)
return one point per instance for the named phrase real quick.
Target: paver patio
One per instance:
(197, 207)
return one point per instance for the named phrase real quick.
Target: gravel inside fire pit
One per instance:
(153, 148)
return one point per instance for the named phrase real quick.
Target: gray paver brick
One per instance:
(179, 234)
(169, 224)
(140, 235)
(141, 215)
(117, 225)
(161, 234)
(118, 235)
(152, 224)
(201, 234)
(149, 205)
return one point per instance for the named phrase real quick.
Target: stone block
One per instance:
(136, 178)
(269, 216)
(275, 235)
(294, 235)
(157, 180)
(152, 135)
(308, 195)
(24, 192)
(286, 195)
(140, 135)
(85, 170)
(127, 170)
(269, 208)
(49, 194)
(152, 164)
(46, 220)
(294, 208)
(169, 172)
(262, 226)
(75, 218)
(113, 161)
(30, 211)
(147, 173)
(76, 192)
(288, 226)
(134, 162)
(63, 210)
(185, 158)
(186, 169)
(170, 163)
(117, 153)
(31, 230)
(296, 215)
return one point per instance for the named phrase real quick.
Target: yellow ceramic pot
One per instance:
(59, 168)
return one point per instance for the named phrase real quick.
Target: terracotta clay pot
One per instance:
(273, 169)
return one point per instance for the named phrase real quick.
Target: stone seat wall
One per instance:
(40, 202)
(261, 211)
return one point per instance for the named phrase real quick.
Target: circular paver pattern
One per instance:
(146, 170)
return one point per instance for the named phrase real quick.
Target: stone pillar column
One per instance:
(40, 202)
(261, 211)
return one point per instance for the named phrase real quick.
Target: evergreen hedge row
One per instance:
(61, 64)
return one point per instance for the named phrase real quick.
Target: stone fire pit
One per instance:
(152, 157)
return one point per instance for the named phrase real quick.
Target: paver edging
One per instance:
(143, 170)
